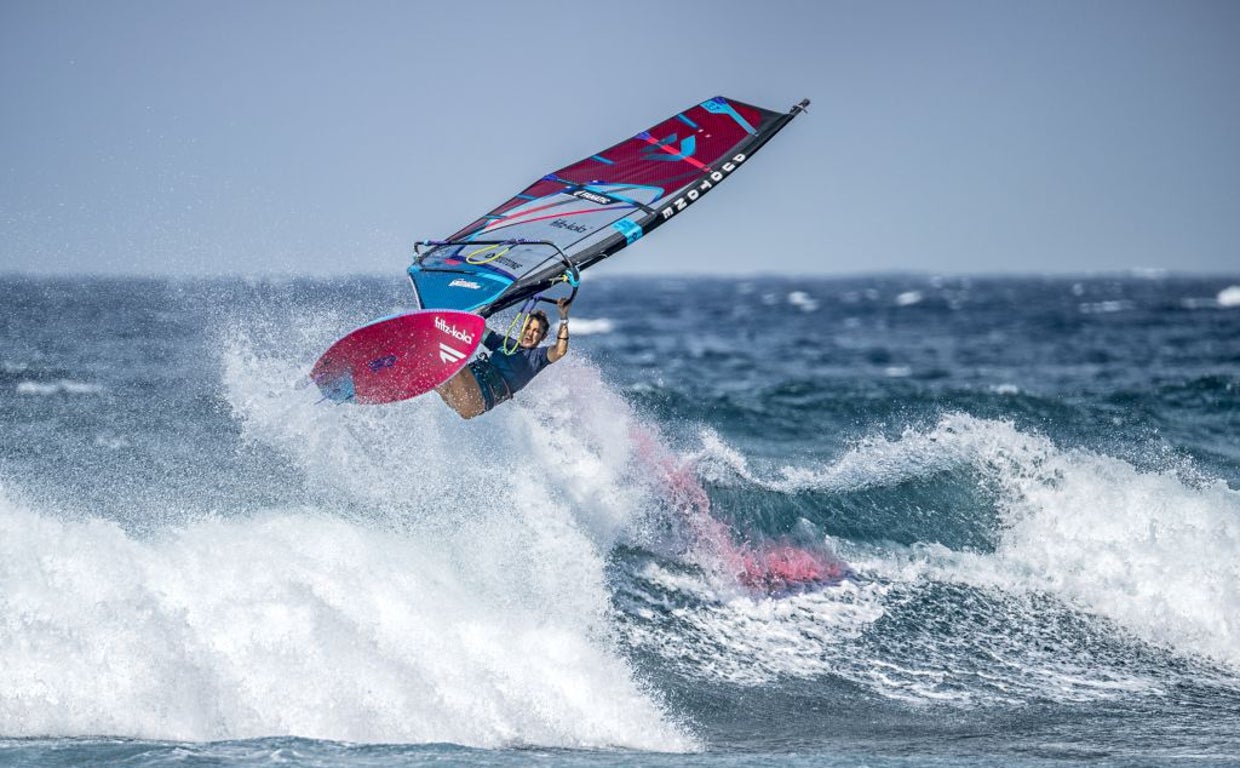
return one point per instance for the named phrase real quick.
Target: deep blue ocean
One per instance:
(1027, 491)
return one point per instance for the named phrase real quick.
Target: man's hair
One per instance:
(541, 316)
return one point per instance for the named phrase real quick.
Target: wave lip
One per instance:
(1157, 552)
(1156, 555)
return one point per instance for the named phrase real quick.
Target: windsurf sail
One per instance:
(581, 214)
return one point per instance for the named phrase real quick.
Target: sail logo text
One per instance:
(459, 283)
(593, 197)
(682, 202)
(565, 224)
(453, 331)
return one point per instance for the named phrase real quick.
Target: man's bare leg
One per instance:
(461, 393)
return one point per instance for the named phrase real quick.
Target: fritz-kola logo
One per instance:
(460, 283)
(593, 197)
(566, 224)
(453, 331)
(682, 202)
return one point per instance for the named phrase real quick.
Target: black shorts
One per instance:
(492, 385)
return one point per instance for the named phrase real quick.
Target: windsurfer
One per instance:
(494, 378)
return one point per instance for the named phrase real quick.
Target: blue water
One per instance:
(1028, 489)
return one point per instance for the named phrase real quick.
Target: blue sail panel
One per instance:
(466, 290)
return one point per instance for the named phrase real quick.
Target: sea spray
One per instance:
(521, 545)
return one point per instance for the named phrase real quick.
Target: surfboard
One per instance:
(398, 357)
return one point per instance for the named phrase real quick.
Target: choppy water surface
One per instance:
(1026, 491)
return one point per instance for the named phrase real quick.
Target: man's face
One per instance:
(532, 333)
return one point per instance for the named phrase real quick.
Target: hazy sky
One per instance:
(159, 136)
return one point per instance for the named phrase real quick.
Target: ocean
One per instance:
(865, 521)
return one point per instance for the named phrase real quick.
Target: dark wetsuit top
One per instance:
(501, 375)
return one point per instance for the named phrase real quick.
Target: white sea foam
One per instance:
(1229, 296)
(589, 326)
(747, 641)
(1105, 307)
(875, 461)
(112, 442)
(63, 386)
(909, 298)
(451, 588)
(836, 632)
(803, 301)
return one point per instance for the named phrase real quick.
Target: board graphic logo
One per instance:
(383, 362)
(665, 149)
(450, 355)
(462, 283)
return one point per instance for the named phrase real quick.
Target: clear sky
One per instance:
(225, 136)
